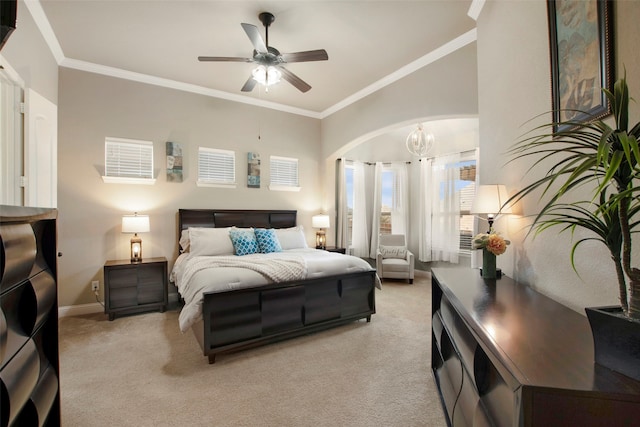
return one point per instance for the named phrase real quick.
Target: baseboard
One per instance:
(80, 310)
(95, 307)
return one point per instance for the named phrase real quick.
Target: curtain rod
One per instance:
(461, 152)
(384, 163)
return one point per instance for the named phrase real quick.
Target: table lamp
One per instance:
(135, 224)
(489, 201)
(321, 222)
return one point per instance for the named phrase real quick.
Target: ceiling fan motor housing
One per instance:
(272, 57)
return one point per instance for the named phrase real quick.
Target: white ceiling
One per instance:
(369, 43)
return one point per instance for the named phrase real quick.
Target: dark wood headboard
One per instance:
(216, 218)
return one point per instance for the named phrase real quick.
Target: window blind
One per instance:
(284, 172)
(127, 158)
(216, 166)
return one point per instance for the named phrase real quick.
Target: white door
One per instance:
(11, 142)
(41, 151)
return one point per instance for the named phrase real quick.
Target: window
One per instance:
(128, 161)
(467, 185)
(216, 168)
(284, 174)
(389, 193)
(348, 175)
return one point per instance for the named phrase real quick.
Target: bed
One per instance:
(266, 297)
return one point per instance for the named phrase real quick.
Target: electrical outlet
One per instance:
(95, 285)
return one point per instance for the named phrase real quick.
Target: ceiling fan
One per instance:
(269, 59)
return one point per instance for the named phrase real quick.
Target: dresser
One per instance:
(29, 368)
(503, 354)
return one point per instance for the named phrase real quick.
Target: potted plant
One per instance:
(605, 160)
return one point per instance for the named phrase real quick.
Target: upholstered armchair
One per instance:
(393, 259)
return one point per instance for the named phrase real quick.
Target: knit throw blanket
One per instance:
(277, 267)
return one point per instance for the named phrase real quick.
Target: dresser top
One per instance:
(542, 342)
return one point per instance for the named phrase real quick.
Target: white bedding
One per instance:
(307, 263)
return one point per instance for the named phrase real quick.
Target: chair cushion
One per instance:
(393, 251)
(395, 265)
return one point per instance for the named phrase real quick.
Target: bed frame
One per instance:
(250, 317)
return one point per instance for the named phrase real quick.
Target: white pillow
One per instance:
(184, 241)
(210, 241)
(291, 238)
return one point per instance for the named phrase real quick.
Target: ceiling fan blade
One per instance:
(309, 55)
(249, 84)
(224, 59)
(255, 37)
(296, 81)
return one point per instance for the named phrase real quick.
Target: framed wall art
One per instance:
(253, 170)
(174, 162)
(582, 63)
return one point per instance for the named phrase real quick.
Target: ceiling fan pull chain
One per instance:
(259, 114)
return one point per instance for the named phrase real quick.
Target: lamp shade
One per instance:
(490, 200)
(135, 223)
(320, 221)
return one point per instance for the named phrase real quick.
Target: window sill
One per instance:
(215, 185)
(127, 180)
(283, 188)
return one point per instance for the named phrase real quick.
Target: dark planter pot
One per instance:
(616, 340)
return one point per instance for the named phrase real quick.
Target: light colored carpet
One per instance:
(141, 371)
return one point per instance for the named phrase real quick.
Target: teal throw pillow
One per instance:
(267, 240)
(244, 241)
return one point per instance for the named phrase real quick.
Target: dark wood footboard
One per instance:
(245, 318)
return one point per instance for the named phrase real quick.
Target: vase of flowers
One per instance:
(492, 244)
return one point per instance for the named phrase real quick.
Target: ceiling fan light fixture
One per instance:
(419, 143)
(266, 76)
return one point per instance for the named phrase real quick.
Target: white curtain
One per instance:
(377, 206)
(342, 235)
(476, 256)
(400, 208)
(440, 186)
(360, 238)
(425, 210)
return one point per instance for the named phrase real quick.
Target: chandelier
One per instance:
(419, 143)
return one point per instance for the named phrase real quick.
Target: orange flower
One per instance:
(492, 242)
(496, 244)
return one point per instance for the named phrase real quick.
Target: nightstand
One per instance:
(335, 249)
(135, 287)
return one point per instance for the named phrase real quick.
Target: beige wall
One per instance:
(93, 107)
(514, 87)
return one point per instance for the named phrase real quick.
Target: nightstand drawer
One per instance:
(149, 293)
(123, 297)
(121, 278)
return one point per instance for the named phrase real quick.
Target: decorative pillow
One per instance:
(291, 238)
(393, 251)
(267, 240)
(209, 241)
(244, 241)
